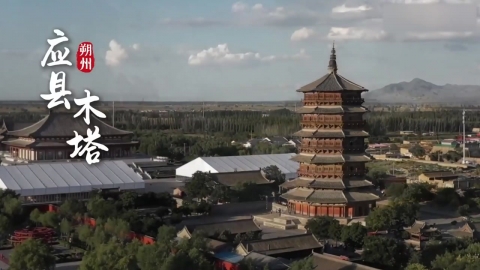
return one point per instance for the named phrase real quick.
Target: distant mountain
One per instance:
(420, 91)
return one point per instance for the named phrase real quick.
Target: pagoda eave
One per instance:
(321, 133)
(330, 159)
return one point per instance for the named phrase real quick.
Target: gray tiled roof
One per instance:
(331, 82)
(62, 124)
(332, 109)
(320, 133)
(234, 227)
(232, 179)
(327, 183)
(283, 244)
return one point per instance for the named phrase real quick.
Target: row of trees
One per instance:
(241, 124)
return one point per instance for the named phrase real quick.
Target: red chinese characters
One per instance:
(85, 57)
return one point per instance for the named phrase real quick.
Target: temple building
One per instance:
(331, 178)
(46, 139)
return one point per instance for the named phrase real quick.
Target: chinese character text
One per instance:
(86, 107)
(57, 82)
(89, 147)
(57, 57)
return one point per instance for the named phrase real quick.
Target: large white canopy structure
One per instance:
(240, 164)
(68, 177)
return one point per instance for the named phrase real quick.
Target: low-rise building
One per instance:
(332, 262)
(290, 247)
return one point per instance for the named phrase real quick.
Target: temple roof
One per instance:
(328, 196)
(332, 81)
(330, 159)
(320, 183)
(62, 124)
(322, 133)
(39, 144)
(332, 109)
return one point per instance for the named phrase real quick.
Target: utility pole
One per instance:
(464, 141)
(113, 115)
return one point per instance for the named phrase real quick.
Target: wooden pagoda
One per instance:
(46, 139)
(331, 178)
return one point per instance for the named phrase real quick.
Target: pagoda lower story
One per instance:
(333, 203)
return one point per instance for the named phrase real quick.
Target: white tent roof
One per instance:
(239, 163)
(68, 177)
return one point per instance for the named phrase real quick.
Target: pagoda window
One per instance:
(50, 155)
(60, 155)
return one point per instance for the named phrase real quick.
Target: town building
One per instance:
(289, 247)
(332, 156)
(57, 181)
(47, 139)
(234, 227)
(239, 164)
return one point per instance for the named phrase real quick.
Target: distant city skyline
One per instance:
(223, 50)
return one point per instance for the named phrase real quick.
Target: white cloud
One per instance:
(409, 2)
(356, 33)
(257, 7)
(239, 7)
(302, 34)
(432, 36)
(344, 9)
(221, 55)
(117, 54)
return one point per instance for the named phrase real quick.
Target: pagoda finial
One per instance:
(332, 65)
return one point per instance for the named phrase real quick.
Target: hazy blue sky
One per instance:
(160, 50)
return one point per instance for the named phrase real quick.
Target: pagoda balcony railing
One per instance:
(338, 124)
(313, 174)
(333, 175)
(320, 102)
(341, 149)
(318, 150)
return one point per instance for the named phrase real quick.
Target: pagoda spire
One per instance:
(332, 64)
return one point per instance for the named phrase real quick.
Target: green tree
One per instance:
(32, 255)
(354, 235)
(201, 185)
(100, 208)
(416, 266)
(35, 216)
(72, 207)
(376, 174)
(418, 192)
(385, 251)
(111, 255)
(395, 190)
(379, 219)
(320, 226)
(447, 197)
(273, 173)
(304, 264)
(50, 219)
(128, 199)
(417, 151)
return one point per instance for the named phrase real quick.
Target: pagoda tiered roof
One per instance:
(330, 196)
(330, 159)
(332, 109)
(327, 183)
(323, 133)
